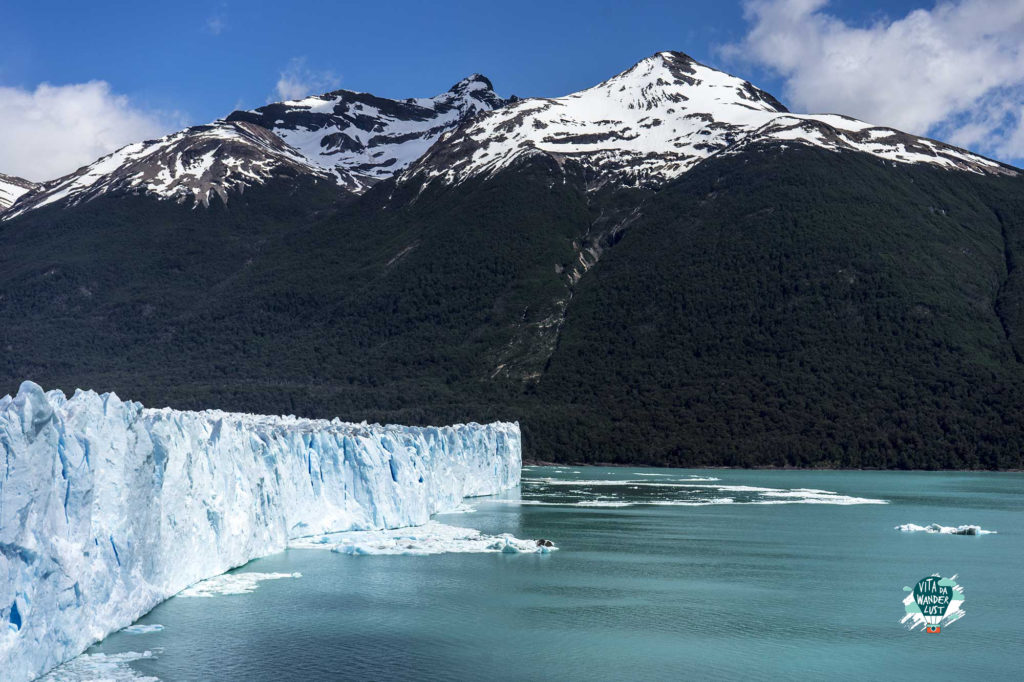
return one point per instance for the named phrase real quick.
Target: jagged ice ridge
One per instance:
(108, 508)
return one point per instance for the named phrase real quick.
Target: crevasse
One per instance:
(108, 508)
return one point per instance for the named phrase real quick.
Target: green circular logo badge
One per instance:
(933, 602)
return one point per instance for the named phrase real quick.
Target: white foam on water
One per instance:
(693, 503)
(97, 667)
(232, 583)
(944, 530)
(431, 538)
(573, 481)
(839, 500)
(799, 496)
(685, 483)
(142, 629)
(760, 494)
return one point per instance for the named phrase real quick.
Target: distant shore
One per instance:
(544, 463)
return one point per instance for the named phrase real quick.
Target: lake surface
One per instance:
(659, 574)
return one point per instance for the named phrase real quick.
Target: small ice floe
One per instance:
(142, 628)
(692, 503)
(463, 508)
(113, 667)
(510, 545)
(232, 583)
(430, 538)
(944, 530)
(812, 496)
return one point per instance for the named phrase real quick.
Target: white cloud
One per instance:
(55, 129)
(955, 71)
(297, 81)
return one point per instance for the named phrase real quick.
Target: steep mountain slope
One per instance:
(12, 187)
(658, 119)
(796, 307)
(783, 302)
(352, 139)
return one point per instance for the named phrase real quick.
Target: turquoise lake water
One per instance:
(659, 575)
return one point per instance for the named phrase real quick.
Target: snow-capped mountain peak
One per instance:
(364, 138)
(655, 121)
(670, 80)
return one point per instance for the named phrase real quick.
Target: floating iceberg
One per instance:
(232, 583)
(432, 537)
(142, 629)
(944, 530)
(108, 508)
(102, 668)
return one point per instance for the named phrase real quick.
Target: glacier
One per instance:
(108, 508)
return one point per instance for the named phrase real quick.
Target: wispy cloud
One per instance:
(54, 129)
(217, 22)
(297, 80)
(955, 71)
(215, 25)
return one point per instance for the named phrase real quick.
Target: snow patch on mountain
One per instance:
(196, 164)
(12, 187)
(108, 508)
(655, 121)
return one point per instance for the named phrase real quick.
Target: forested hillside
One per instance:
(780, 306)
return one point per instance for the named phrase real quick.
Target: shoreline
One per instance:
(545, 463)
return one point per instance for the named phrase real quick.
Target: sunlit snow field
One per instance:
(659, 574)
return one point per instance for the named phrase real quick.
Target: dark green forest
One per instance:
(779, 307)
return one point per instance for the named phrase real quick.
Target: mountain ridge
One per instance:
(659, 118)
(281, 139)
(642, 127)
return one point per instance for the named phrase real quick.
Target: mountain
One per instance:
(738, 285)
(655, 121)
(349, 138)
(11, 188)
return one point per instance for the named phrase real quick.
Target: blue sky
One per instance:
(186, 62)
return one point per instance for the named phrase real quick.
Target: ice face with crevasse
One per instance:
(108, 508)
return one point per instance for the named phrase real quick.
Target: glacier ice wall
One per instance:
(108, 508)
